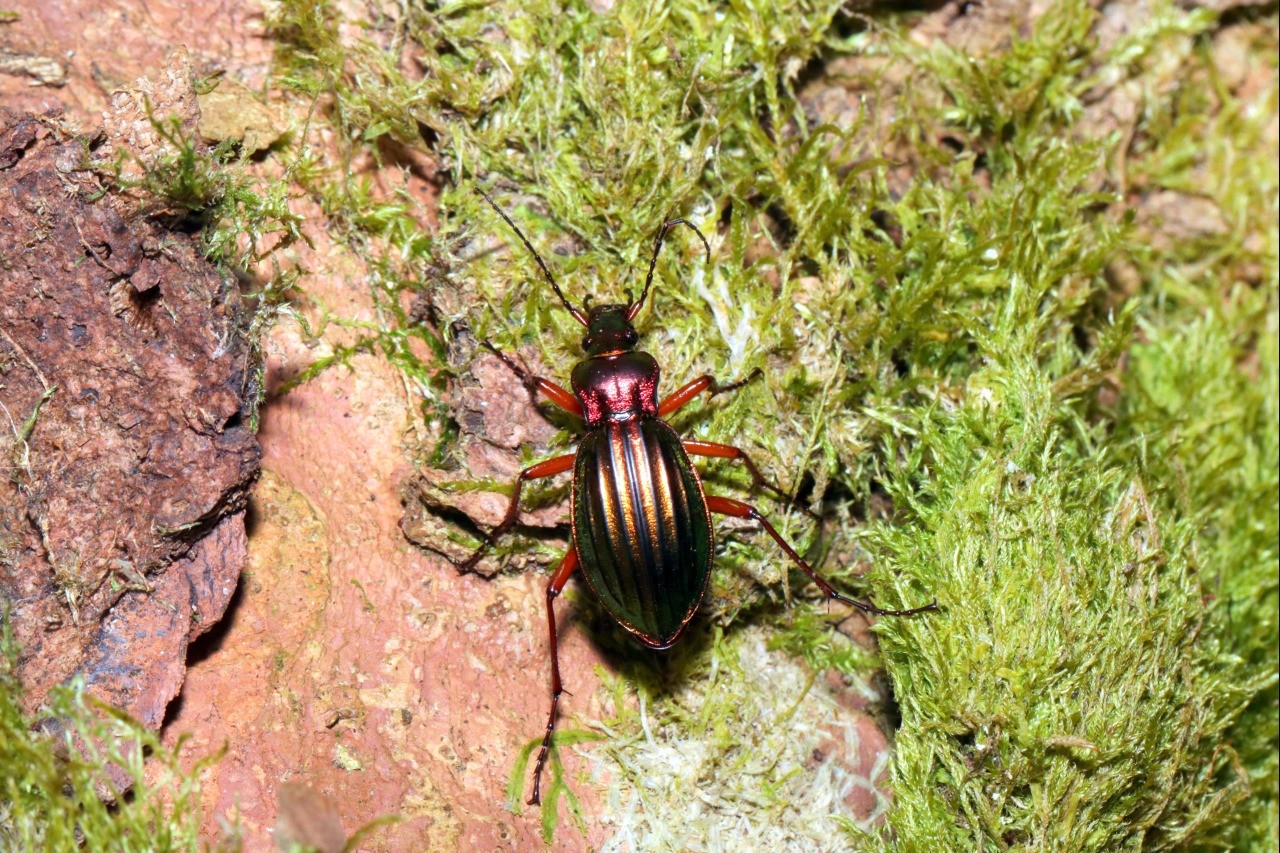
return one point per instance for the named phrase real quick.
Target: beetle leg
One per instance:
(728, 451)
(558, 580)
(550, 468)
(738, 509)
(557, 395)
(681, 398)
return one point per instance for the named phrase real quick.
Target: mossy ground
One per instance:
(1075, 422)
(53, 784)
(1001, 386)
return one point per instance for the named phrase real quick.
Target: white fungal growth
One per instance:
(727, 763)
(736, 335)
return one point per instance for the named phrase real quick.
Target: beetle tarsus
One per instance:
(544, 752)
(715, 388)
(689, 392)
(868, 607)
(533, 384)
(517, 369)
(488, 541)
(728, 451)
(566, 568)
(527, 379)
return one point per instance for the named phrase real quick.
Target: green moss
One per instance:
(1072, 407)
(52, 786)
(732, 737)
(1075, 692)
(16, 449)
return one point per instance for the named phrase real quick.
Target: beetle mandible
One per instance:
(641, 522)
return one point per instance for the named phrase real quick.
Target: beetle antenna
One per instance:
(634, 309)
(577, 314)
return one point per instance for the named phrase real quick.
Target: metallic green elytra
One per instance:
(641, 527)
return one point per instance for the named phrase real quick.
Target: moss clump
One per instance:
(1071, 404)
(1080, 688)
(1104, 674)
(52, 788)
(739, 739)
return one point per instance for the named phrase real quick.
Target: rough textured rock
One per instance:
(123, 373)
(233, 112)
(89, 49)
(344, 646)
(357, 665)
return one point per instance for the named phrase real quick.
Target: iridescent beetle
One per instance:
(641, 522)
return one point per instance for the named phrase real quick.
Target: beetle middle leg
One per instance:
(738, 509)
(550, 468)
(728, 451)
(558, 580)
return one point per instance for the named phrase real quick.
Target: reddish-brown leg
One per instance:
(558, 580)
(550, 468)
(557, 395)
(728, 451)
(681, 398)
(738, 509)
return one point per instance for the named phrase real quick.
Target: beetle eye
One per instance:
(586, 342)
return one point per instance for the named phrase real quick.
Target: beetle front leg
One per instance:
(682, 397)
(557, 395)
(738, 509)
(728, 451)
(550, 468)
(558, 580)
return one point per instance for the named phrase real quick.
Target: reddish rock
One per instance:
(859, 747)
(121, 520)
(352, 662)
(80, 51)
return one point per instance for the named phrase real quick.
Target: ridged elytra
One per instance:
(642, 533)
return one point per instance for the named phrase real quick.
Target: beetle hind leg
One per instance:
(738, 509)
(558, 580)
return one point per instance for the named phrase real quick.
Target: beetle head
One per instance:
(609, 330)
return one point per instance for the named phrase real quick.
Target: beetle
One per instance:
(641, 522)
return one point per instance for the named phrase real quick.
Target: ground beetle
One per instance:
(641, 522)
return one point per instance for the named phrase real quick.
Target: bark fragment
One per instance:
(496, 417)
